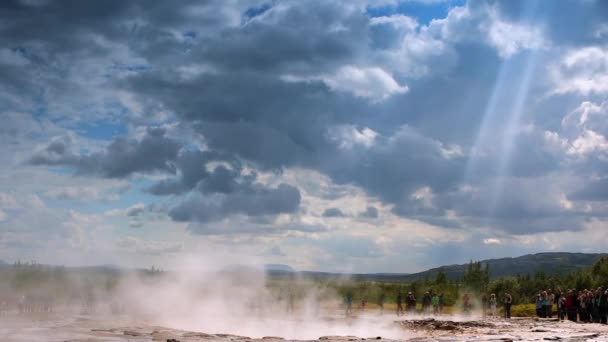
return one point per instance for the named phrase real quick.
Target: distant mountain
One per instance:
(549, 263)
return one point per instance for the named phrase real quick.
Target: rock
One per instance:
(197, 335)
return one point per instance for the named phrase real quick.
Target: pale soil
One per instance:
(55, 327)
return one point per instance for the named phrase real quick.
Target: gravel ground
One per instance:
(76, 328)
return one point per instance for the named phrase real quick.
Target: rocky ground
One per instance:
(88, 329)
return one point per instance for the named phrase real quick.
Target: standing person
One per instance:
(507, 302)
(399, 304)
(571, 307)
(21, 303)
(410, 302)
(561, 306)
(349, 304)
(484, 306)
(426, 302)
(539, 305)
(544, 303)
(435, 301)
(440, 303)
(550, 301)
(604, 306)
(493, 304)
(381, 300)
(466, 304)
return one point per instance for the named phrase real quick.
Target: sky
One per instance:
(342, 136)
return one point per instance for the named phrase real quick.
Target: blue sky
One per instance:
(359, 136)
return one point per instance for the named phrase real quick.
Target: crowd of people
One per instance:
(431, 303)
(578, 306)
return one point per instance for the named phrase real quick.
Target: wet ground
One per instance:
(79, 328)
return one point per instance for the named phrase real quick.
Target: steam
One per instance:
(244, 301)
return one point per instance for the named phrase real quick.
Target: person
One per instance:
(484, 306)
(381, 300)
(604, 307)
(571, 307)
(399, 304)
(21, 303)
(493, 304)
(539, 305)
(426, 302)
(544, 297)
(466, 304)
(435, 301)
(507, 302)
(441, 303)
(550, 301)
(561, 306)
(349, 304)
(410, 302)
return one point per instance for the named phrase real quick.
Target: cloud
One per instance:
(333, 212)
(255, 201)
(492, 241)
(582, 71)
(371, 83)
(491, 119)
(121, 158)
(370, 212)
(80, 194)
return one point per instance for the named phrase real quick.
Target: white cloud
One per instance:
(509, 38)
(484, 23)
(130, 211)
(492, 241)
(588, 142)
(583, 131)
(372, 83)
(85, 193)
(2, 216)
(582, 71)
(348, 136)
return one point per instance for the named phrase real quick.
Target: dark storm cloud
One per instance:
(121, 158)
(193, 173)
(255, 201)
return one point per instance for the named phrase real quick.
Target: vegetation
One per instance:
(69, 283)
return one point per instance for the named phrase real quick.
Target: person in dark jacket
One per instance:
(603, 303)
(507, 301)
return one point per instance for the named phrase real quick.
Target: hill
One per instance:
(549, 263)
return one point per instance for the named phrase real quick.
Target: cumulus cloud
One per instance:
(582, 71)
(386, 103)
(256, 201)
(371, 83)
(121, 158)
